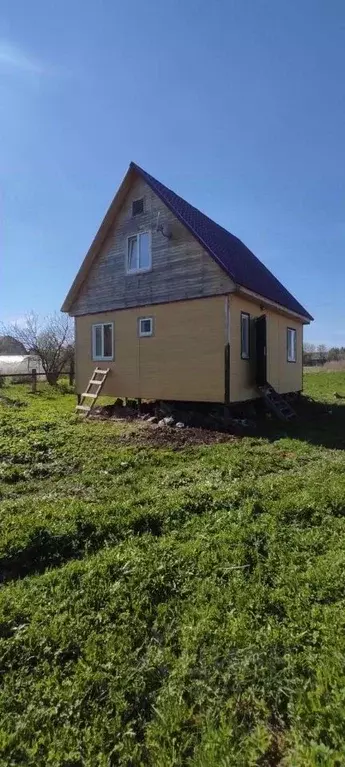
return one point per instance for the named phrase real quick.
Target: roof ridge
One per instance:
(228, 250)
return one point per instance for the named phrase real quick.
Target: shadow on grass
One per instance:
(47, 549)
(319, 423)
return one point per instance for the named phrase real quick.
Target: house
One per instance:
(178, 308)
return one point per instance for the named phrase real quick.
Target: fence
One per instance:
(33, 375)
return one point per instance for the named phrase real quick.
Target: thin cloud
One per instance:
(12, 57)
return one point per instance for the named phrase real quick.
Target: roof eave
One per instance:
(99, 238)
(267, 302)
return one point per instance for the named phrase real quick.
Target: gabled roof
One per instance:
(228, 251)
(231, 254)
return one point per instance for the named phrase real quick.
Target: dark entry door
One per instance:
(261, 351)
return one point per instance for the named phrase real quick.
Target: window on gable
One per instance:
(245, 335)
(103, 341)
(145, 326)
(137, 207)
(139, 252)
(291, 345)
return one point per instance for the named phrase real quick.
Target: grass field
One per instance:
(172, 607)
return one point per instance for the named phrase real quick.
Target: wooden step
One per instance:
(88, 394)
(276, 402)
(82, 407)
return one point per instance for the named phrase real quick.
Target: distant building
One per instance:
(19, 364)
(313, 359)
(10, 345)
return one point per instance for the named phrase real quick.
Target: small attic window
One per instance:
(137, 207)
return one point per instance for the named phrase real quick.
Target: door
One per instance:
(261, 350)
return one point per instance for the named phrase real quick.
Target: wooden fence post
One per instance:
(34, 380)
(71, 373)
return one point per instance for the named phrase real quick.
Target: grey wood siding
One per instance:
(181, 268)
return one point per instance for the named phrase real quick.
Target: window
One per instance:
(102, 341)
(291, 345)
(145, 326)
(245, 335)
(137, 207)
(139, 253)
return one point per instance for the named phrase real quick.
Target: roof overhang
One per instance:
(266, 303)
(133, 172)
(100, 238)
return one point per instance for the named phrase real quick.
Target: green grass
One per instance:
(169, 608)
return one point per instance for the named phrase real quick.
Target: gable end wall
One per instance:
(181, 268)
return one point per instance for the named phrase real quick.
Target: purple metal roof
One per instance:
(228, 251)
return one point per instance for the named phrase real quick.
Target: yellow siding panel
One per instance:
(283, 375)
(183, 360)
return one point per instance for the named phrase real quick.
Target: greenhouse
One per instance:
(19, 364)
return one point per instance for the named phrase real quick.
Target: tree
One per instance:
(308, 348)
(322, 350)
(51, 339)
(308, 351)
(334, 353)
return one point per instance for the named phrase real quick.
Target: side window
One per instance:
(245, 335)
(145, 326)
(103, 341)
(291, 342)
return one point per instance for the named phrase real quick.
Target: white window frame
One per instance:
(145, 268)
(245, 353)
(291, 346)
(95, 357)
(144, 334)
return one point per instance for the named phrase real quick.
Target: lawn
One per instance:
(170, 607)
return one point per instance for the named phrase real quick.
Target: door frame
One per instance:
(261, 350)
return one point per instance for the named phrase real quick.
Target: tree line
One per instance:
(321, 354)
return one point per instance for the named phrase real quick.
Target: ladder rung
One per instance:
(93, 395)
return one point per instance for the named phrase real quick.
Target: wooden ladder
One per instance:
(98, 383)
(276, 403)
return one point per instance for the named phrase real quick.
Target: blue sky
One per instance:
(238, 105)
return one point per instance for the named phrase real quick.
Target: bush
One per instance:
(20, 379)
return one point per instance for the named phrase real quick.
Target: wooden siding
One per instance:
(284, 376)
(183, 360)
(181, 268)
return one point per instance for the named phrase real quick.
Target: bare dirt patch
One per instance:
(150, 435)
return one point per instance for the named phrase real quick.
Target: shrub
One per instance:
(20, 379)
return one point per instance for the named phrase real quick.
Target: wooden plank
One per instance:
(192, 272)
(88, 394)
(83, 407)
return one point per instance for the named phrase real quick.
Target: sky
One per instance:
(237, 105)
